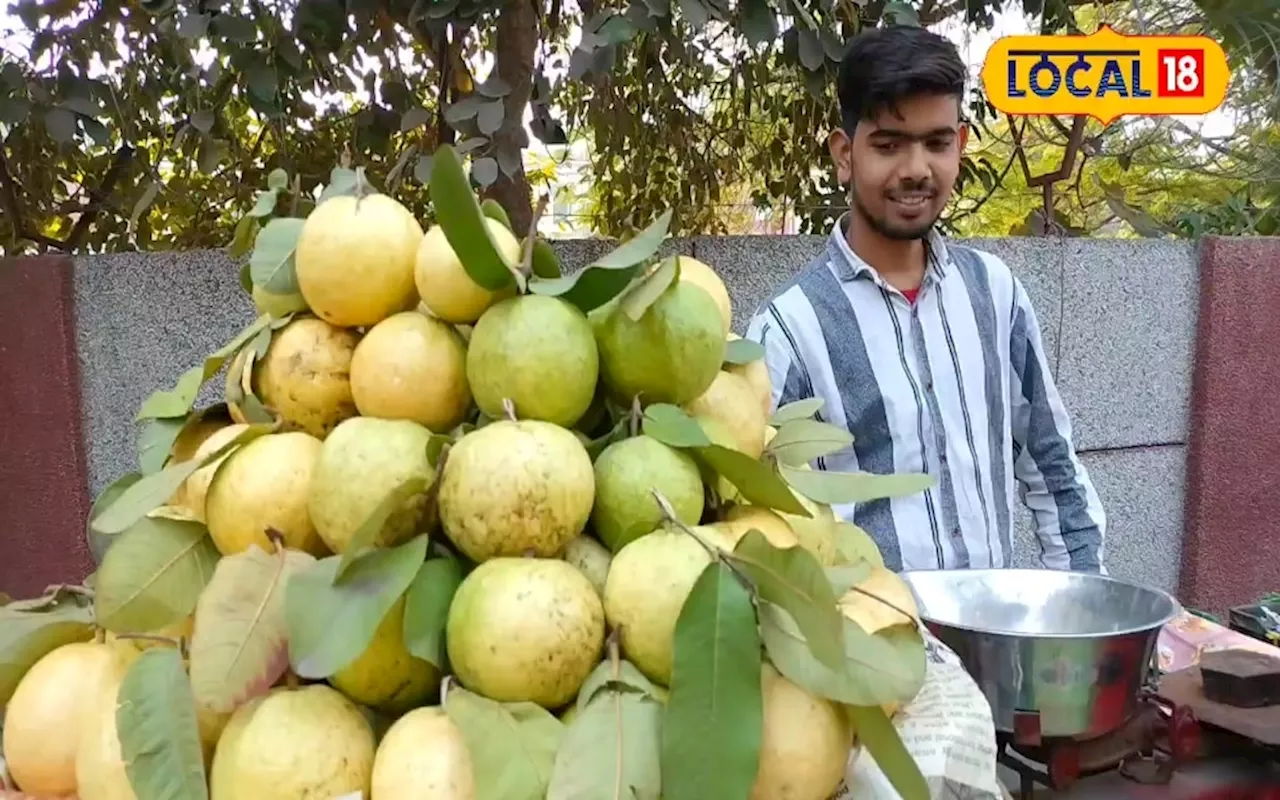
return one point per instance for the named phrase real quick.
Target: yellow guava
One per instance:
(305, 375)
(423, 755)
(355, 259)
(590, 558)
(525, 629)
(730, 401)
(100, 765)
(514, 488)
(443, 283)
(874, 616)
(804, 745)
(626, 473)
(411, 366)
(386, 676)
(703, 276)
(756, 374)
(742, 518)
(194, 490)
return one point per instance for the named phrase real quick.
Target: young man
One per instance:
(929, 353)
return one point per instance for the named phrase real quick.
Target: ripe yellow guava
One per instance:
(730, 401)
(194, 435)
(756, 374)
(514, 488)
(362, 460)
(670, 355)
(100, 765)
(443, 283)
(423, 755)
(528, 629)
(874, 616)
(194, 490)
(805, 742)
(627, 472)
(386, 676)
(539, 353)
(411, 366)
(703, 276)
(355, 259)
(742, 518)
(265, 484)
(305, 375)
(293, 743)
(590, 558)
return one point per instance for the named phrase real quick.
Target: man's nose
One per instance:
(916, 166)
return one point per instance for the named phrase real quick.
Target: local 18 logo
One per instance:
(1106, 75)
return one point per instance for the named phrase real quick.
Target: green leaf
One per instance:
(646, 292)
(852, 487)
(802, 440)
(153, 575)
(61, 124)
(760, 485)
(844, 577)
(271, 264)
(602, 280)
(513, 745)
(331, 625)
(493, 210)
(98, 541)
(793, 579)
(153, 491)
(711, 730)
(887, 667)
(176, 402)
(155, 442)
(211, 154)
(27, 635)
(278, 180)
(342, 181)
(611, 750)
(426, 608)
(367, 533)
(242, 244)
(605, 678)
(546, 264)
(159, 735)
(265, 204)
(670, 425)
(877, 734)
(854, 545)
(240, 645)
(743, 351)
(615, 434)
(759, 24)
(458, 213)
(797, 410)
(143, 203)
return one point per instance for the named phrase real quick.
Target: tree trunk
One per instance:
(516, 40)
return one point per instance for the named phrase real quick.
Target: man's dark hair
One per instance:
(883, 66)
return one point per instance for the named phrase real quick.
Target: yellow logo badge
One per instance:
(1106, 75)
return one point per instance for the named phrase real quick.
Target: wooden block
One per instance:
(1241, 678)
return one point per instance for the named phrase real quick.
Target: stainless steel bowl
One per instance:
(1057, 654)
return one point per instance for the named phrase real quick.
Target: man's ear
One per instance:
(962, 137)
(841, 148)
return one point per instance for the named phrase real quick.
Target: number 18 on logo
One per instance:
(1181, 73)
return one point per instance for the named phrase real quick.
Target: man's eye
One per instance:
(938, 145)
(886, 147)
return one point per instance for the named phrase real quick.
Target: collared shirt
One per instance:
(955, 385)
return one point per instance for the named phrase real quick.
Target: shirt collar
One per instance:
(848, 266)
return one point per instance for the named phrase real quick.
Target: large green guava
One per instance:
(627, 472)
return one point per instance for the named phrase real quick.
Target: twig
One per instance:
(716, 553)
(97, 197)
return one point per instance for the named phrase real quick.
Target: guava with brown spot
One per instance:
(525, 629)
(516, 487)
(305, 376)
(627, 473)
(805, 742)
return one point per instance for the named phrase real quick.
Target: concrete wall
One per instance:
(1119, 319)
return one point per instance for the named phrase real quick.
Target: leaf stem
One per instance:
(911, 617)
(715, 552)
(276, 538)
(444, 689)
(147, 637)
(509, 408)
(637, 416)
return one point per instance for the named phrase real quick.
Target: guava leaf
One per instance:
(759, 484)
(155, 442)
(887, 667)
(264, 203)
(546, 264)
(844, 577)
(240, 648)
(241, 245)
(646, 292)
(153, 491)
(625, 679)
(159, 735)
(602, 280)
(373, 524)
(743, 351)
(711, 730)
(611, 750)
(793, 579)
(278, 180)
(176, 402)
(459, 215)
(615, 434)
(877, 734)
(670, 425)
(854, 545)
(330, 624)
(271, 264)
(27, 635)
(493, 210)
(800, 409)
(153, 575)
(802, 440)
(426, 608)
(343, 181)
(852, 487)
(98, 541)
(513, 745)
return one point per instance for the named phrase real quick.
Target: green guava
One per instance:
(591, 558)
(627, 472)
(539, 353)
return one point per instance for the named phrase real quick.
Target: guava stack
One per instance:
(466, 527)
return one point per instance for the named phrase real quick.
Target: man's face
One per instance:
(902, 167)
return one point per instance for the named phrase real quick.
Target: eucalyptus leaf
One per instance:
(153, 575)
(426, 609)
(759, 484)
(711, 730)
(673, 427)
(854, 545)
(802, 440)
(852, 487)
(626, 677)
(793, 579)
(494, 87)
(61, 124)
(611, 750)
(211, 154)
(99, 542)
(369, 530)
(331, 625)
(26, 635)
(278, 180)
(459, 215)
(143, 203)
(272, 262)
(877, 734)
(415, 117)
(159, 735)
(646, 292)
(743, 351)
(155, 442)
(759, 23)
(512, 745)
(489, 117)
(812, 56)
(176, 402)
(800, 409)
